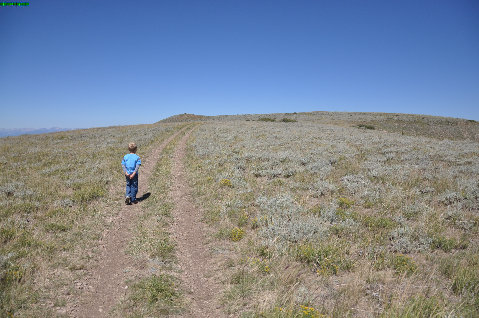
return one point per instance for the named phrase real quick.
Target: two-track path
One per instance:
(195, 261)
(105, 281)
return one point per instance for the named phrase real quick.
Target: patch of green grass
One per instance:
(327, 259)
(19, 208)
(164, 248)
(466, 280)
(466, 275)
(463, 271)
(26, 240)
(447, 244)
(57, 227)
(379, 260)
(243, 219)
(418, 307)
(377, 222)
(266, 119)
(212, 214)
(155, 295)
(88, 193)
(242, 285)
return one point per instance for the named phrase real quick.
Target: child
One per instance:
(131, 163)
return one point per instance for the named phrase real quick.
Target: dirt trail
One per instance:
(105, 286)
(189, 233)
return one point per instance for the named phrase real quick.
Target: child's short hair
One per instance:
(132, 147)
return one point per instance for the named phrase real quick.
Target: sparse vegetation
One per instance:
(314, 219)
(54, 207)
(328, 203)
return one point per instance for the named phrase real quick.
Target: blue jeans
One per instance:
(132, 187)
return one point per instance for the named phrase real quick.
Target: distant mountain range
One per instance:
(5, 132)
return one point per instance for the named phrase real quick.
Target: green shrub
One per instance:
(13, 273)
(288, 120)
(345, 203)
(266, 119)
(447, 244)
(236, 234)
(226, 183)
(264, 251)
(403, 264)
(364, 126)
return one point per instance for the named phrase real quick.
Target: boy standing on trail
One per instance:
(131, 163)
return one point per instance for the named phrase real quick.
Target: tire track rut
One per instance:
(189, 232)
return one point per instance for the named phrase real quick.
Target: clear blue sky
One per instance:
(98, 63)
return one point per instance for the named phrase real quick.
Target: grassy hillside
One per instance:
(325, 216)
(404, 124)
(58, 192)
(334, 214)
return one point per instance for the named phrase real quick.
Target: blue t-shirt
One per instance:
(131, 161)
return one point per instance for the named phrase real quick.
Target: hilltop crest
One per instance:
(183, 118)
(405, 124)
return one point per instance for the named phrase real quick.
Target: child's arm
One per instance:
(123, 166)
(138, 164)
(136, 168)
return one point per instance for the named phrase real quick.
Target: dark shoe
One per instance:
(135, 202)
(127, 201)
